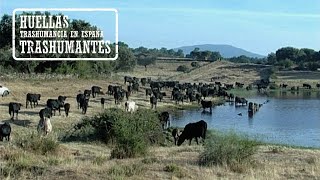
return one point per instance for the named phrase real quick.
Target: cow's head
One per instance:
(181, 138)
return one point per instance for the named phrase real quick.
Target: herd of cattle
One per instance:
(156, 90)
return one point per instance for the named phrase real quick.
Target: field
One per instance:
(78, 160)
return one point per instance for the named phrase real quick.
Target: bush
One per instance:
(38, 144)
(227, 149)
(132, 133)
(183, 68)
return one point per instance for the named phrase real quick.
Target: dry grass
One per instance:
(91, 160)
(296, 78)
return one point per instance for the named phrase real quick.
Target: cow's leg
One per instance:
(26, 104)
(17, 115)
(197, 141)
(59, 111)
(190, 141)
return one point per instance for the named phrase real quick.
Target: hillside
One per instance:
(226, 51)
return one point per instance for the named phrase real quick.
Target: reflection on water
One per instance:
(288, 117)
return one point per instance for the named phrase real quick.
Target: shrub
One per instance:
(38, 144)
(183, 68)
(126, 170)
(227, 149)
(132, 133)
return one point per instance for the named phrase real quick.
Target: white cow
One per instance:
(130, 106)
(44, 126)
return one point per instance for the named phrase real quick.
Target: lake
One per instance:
(286, 118)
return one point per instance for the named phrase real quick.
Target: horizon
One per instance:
(258, 27)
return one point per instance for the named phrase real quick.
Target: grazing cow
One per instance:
(206, 104)
(45, 113)
(44, 126)
(130, 106)
(103, 100)
(164, 118)
(283, 86)
(110, 90)
(95, 90)
(153, 102)
(308, 86)
(135, 87)
(5, 131)
(118, 96)
(14, 108)
(79, 97)
(175, 134)
(193, 130)
(67, 108)
(32, 98)
(318, 85)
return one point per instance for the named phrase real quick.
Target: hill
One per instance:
(227, 51)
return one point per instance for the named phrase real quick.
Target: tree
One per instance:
(215, 56)
(287, 53)
(272, 59)
(146, 60)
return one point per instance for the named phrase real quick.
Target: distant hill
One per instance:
(226, 51)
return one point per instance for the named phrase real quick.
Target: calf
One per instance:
(5, 131)
(206, 104)
(175, 134)
(164, 118)
(32, 98)
(193, 130)
(130, 106)
(153, 102)
(102, 101)
(14, 108)
(67, 108)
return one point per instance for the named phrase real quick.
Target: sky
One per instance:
(259, 26)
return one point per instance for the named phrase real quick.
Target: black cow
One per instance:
(62, 99)
(164, 118)
(308, 86)
(5, 131)
(239, 85)
(193, 130)
(45, 113)
(84, 103)
(79, 97)
(14, 108)
(55, 104)
(32, 98)
(143, 81)
(135, 87)
(241, 101)
(103, 100)
(87, 92)
(118, 96)
(67, 108)
(318, 85)
(110, 90)
(153, 102)
(148, 92)
(206, 104)
(95, 90)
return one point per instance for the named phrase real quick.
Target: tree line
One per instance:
(287, 57)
